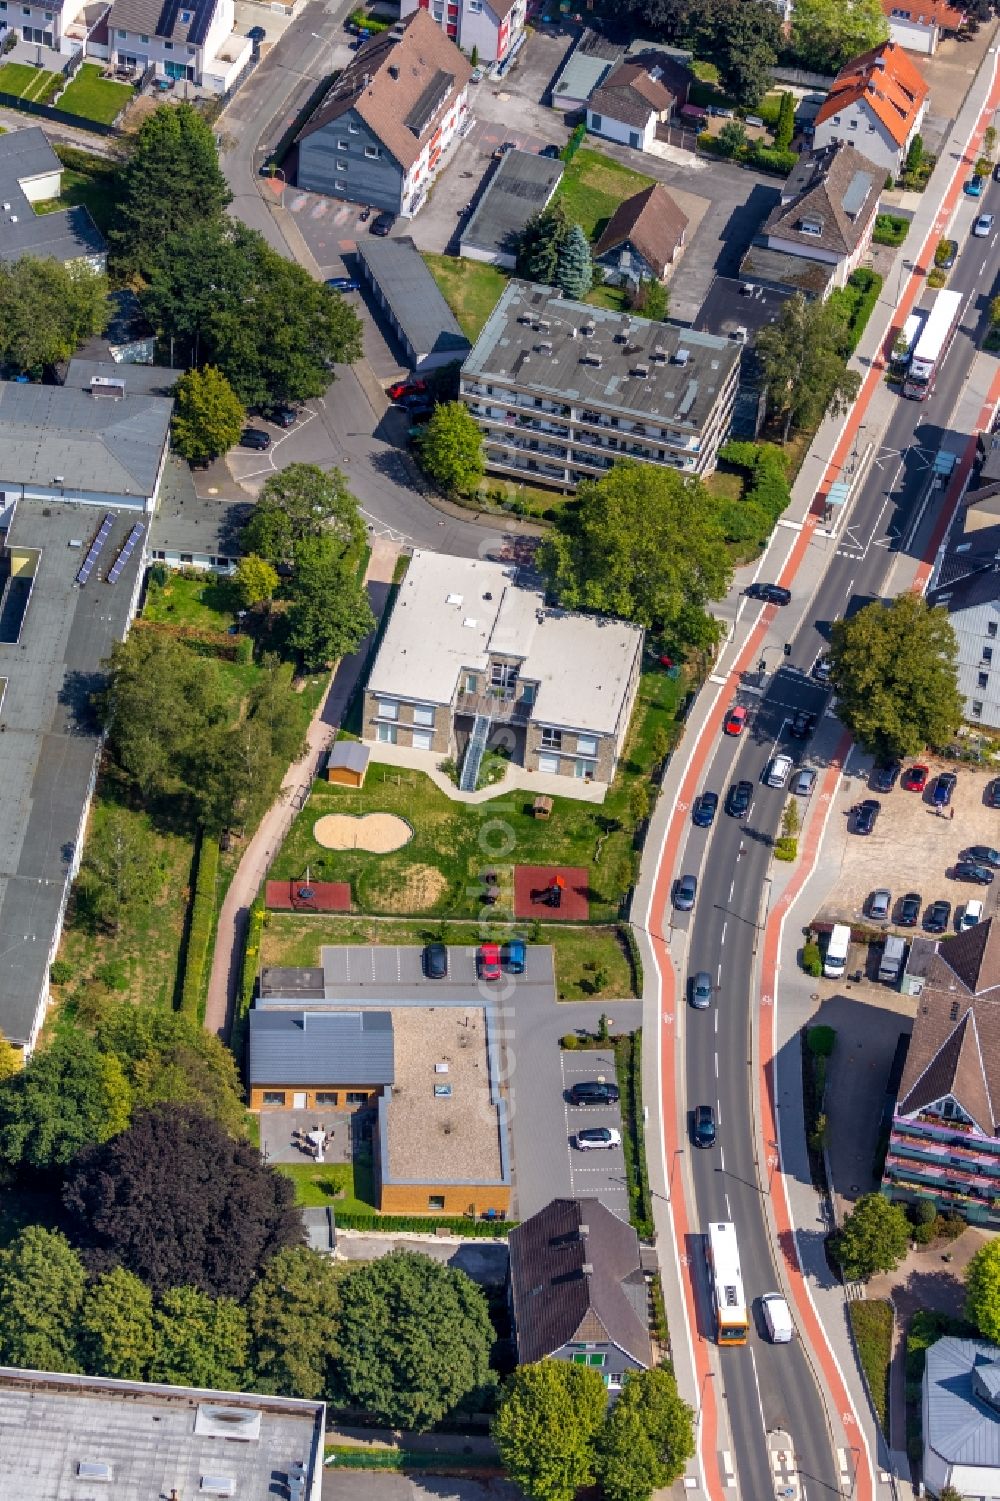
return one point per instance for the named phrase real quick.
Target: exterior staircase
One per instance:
(473, 758)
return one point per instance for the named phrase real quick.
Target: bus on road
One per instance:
(729, 1302)
(932, 345)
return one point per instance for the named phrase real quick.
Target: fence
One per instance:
(803, 78)
(59, 116)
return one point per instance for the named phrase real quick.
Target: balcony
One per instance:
(500, 705)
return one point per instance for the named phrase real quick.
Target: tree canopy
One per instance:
(982, 1291)
(648, 1437)
(539, 244)
(742, 37)
(208, 415)
(802, 356)
(68, 1095)
(115, 1333)
(415, 1339)
(176, 1168)
(451, 449)
(894, 670)
(293, 1315)
(827, 33)
(199, 1340)
(547, 1425)
(47, 310)
(642, 543)
(873, 1238)
(300, 502)
(255, 580)
(118, 869)
(329, 612)
(42, 1282)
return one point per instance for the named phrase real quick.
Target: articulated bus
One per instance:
(731, 1323)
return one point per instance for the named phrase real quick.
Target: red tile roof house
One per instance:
(877, 103)
(380, 135)
(643, 238)
(920, 24)
(493, 27)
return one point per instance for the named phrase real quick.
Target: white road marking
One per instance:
(716, 1065)
(729, 1212)
(750, 811)
(725, 925)
(793, 526)
(722, 1158)
(756, 1382)
(718, 978)
(982, 269)
(716, 1021)
(732, 888)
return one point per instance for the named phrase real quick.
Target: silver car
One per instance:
(804, 781)
(880, 904)
(701, 990)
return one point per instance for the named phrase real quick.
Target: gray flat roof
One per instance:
(188, 522)
(140, 380)
(962, 1381)
(49, 741)
(320, 1047)
(537, 340)
(153, 1439)
(592, 59)
(99, 443)
(362, 975)
(727, 307)
(412, 295)
(67, 235)
(521, 187)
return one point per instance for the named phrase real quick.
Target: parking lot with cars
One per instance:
(594, 1173)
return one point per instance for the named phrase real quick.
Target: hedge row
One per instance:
(857, 302)
(574, 143)
(890, 229)
(251, 956)
(628, 1067)
(346, 1457)
(390, 1224)
(202, 922)
(751, 154)
(871, 1325)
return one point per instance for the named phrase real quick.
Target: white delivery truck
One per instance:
(891, 964)
(836, 951)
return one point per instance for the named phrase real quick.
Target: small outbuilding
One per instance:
(347, 763)
(521, 186)
(412, 303)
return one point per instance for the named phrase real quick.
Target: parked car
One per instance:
(983, 855)
(596, 1138)
(489, 961)
(685, 892)
(406, 388)
(416, 401)
(885, 777)
(972, 913)
(822, 668)
(382, 224)
(593, 1092)
(739, 799)
(970, 870)
(880, 904)
(283, 416)
(701, 990)
(802, 725)
(771, 594)
(948, 257)
(477, 75)
(436, 961)
(866, 815)
(552, 152)
(255, 437)
(343, 284)
(704, 810)
(937, 917)
(502, 150)
(983, 226)
(996, 172)
(735, 720)
(514, 956)
(992, 797)
(704, 1126)
(915, 778)
(944, 786)
(974, 187)
(777, 773)
(804, 781)
(909, 910)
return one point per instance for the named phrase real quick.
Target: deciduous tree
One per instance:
(627, 1464)
(651, 299)
(873, 1238)
(329, 613)
(299, 502)
(415, 1338)
(68, 1096)
(41, 1288)
(743, 38)
(46, 310)
(982, 1291)
(651, 1407)
(451, 449)
(116, 1327)
(293, 1319)
(177, 1165)
(547, 1426)
(255, 580)
(894, 669)
(827, 33)
(199, 1340)
(802, 356)
(208, 415)
(11, 1058)
(119, 865)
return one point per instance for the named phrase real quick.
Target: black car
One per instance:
(382, 224)
(343, 284)
(866, 815)
(704, 810)
(983, 855)
(502, 150)
(415, 401)
(970, 870)
(885, 777)
(255, 437)
(739, 799)
(594, 1092)
(993, 794)
(947, 257)
(802, 725)
(938, 917)
(283, 416)
(944, 786)
(771, 594)
(436, 961)
(704, 1126)
(909, 910)
(552, 152)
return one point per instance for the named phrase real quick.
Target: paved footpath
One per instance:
(295, 788)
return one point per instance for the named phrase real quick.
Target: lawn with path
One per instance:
(26, 82)
(95, 98)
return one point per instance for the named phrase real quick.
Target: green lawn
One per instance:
(86, 179)
(202, 600)
(580, 953)
(607, 296)
(28, 82)
(470, 288)
(347, 1186)
(871, 1324)
(94, 97)
(593, 186)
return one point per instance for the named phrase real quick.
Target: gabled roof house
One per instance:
(827, 210)
(631, 102)
(644, 236)
(919, 25)
(877, 103)
(961, 1417)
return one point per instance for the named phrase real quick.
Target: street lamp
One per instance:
(708, 1376)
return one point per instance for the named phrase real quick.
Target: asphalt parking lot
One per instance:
(599, 1174)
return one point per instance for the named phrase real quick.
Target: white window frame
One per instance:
(423, 714)
(372, 153)
(386, 734)
(586, 745)
(388, 708)
(423, 740)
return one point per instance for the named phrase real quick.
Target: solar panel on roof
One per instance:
(118, 566)
(87, 566)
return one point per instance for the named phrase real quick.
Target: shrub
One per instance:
(574, 143)
(942, 252)
(202, 923)
(821, 1041)
(812, 959)
(923, 1212)
(923, 1234)
(251, 955)
(890, 229)
(786, 848)
(937, 278)
(570, 1042)
(950, 1226)
(114, 974)
(425, 1224)
(871, 1325)
(61, 972)
(770, 159)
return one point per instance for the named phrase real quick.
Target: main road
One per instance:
(770, 1387)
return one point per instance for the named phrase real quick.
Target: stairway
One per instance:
(474, 753)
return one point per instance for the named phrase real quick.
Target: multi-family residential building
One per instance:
(30, 173)
(920, 25)
(471, 658)
(643, 238)
(494, 28)
(561, 390)
(945, 1139)
(380, 135)
(187, 39)
(877, 103)
(827, 211)
(578, 1292)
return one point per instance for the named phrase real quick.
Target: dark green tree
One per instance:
(329, 614)
(651, 299)
(68, 1096)
(46, 310)
(627, 1464)
(802, 357)
(982, 1291)
(42, 1282)
(826, 34)
(894, 669)
(873, 1238)
(303, 501)
(451, 449)
(648, 1437)
(915, 156)
(208, 415)
(574, 267)
(178, 1166)
(745, 36)
(642, 543)
(415, 1338)
(171, 181)
(199, 1340)
(732, 138)
(119, 867)
(546, 1428)
(293, 1319)
(538, 250)
(785, 128)
(116, 1327)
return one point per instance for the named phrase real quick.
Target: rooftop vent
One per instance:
(107, 385)
(640, 371)
(584, 1231)
(544, 348)
(59, 479)
(6, 208)
(13, 218)
(393, 70)
(587, 1269)
(588, 330)
(440, 1068)
(469, 622)
(593, 359)
(659, 354)
(543, 325)
(526, 320)
(217, 1485)
(453, 599)
(93, 1469)
(213, 1420)
(682, 356)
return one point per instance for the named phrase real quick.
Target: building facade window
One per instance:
(387, 734)
(471, 683)
(977, 708)
(423, 714)
(343, 145)
(596, 120)
(372, 153)
(586, 745)
(274, 1097)
(357, 1097)
(551, 739)
(353, 128)
(583, 768)
(327, 1097)
(435, 1201)
(991, 627)
(388, 708)
(984, 680)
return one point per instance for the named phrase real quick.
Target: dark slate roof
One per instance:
(175, 20)
(320, 1047)
(520, 187)
(835, 189)
(556, 1301)
(782, 269)
(630, 95)
(413, 296)
(302, 984)
(981, 587)
(963, 1420)
(651, 221)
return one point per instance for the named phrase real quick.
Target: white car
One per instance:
(777, 772)
(983, 226)
(972, 914)
(596, 1138)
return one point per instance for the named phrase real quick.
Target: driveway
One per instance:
(370, 1485)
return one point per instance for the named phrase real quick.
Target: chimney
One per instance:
(393, 71)
(584, 1231)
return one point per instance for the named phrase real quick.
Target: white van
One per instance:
(777, 1318)
(972, 913)
(836, 951)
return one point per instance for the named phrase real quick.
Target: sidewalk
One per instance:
(273, 827)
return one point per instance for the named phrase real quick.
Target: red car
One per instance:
(735, 721)
(489, 961)
(915, 778)
(406, 388)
